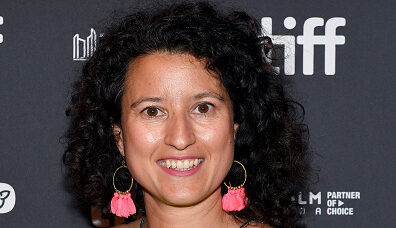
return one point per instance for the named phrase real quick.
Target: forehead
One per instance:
(163, 72)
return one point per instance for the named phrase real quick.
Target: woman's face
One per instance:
(177, 131)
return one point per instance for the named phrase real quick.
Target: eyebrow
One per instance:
(145, 99)
(196, 97)
(208, 94)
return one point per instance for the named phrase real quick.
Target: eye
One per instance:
(152, 111)
(204, 108)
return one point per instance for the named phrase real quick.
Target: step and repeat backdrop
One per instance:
(339, 58)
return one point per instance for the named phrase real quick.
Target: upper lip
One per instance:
(180, 157)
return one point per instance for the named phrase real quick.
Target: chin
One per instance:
(184, 198)
(183, 202)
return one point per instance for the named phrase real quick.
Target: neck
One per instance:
(208, 213)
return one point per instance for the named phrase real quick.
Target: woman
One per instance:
(179, 117)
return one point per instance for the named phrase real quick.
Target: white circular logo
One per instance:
(7, 198)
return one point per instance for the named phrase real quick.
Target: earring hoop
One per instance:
(235, 199)
(122, 204)
(244, 181)
(123, 165)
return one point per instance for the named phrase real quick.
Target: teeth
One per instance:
(181, 165)
(186, 164)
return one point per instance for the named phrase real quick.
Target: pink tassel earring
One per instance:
(122, 204)
(235, 199)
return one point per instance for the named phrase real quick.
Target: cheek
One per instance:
(140, 142)
(218, 141)
(218, 135)
(138, 137)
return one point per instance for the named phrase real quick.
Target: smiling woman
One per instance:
(184, 99)
(183, 115)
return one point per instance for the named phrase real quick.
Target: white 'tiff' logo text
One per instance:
(308, 40)
(84, 48)
(7, 198)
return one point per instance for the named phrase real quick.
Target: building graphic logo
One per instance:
(1, 23)
(308, 40)
(83, 48)
(7, 198)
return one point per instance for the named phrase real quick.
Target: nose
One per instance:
(180, 134)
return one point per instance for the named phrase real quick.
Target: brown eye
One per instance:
(203, 108)
(152, 111)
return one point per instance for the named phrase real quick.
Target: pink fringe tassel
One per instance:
(122, 205)
(234, 200)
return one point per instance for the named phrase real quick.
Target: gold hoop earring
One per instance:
(235, 199)
(122, 204)
(244, 181)
(123, 165)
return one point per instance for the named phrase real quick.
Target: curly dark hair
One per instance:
(271, 140)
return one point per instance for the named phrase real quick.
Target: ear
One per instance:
(117, 132)
(236, 126)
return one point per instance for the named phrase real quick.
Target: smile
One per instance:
(184, 167)
(181, 165)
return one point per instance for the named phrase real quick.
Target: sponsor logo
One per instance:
(7, 198)
(336, 202)
(308, 40)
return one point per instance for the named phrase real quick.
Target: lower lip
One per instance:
(181, 173)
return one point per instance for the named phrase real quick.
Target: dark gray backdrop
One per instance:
(351, 114)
